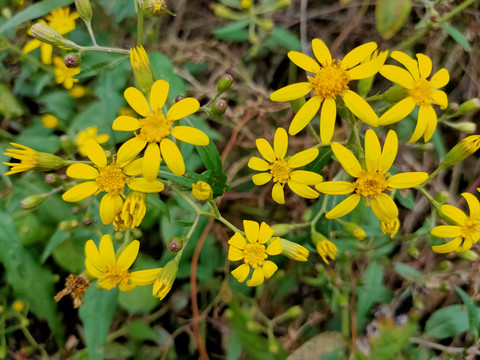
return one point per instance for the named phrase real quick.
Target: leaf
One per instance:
(138, 330)
(163, 69)
(457, 36)
(283, 37)
(210, 157)
(321, 160)
(34, 11)
(390, 15)
(97, 314)
(9, 105)
(234, 31)
(409, 273)
(447, 322)
(472, 312)
(158, 204)
(392, 340)
(407, 200)
(320, 345)
(56, 239)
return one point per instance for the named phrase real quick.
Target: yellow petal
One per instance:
(128, 256)
(431, 125)
(110, 205)
(440, 98)
(80, 191)
(31, 45)
(454, 213)
(473, 205)
(360, 108)
(321, 52)
(92, 254)
(424, 113)
(129, 150)
(306, 177)
(143, 185)
(280, 143)
(355, 56)
(258, 164)
(261, 179)
(448, 247)
(407, 180)
(183, 108)
(235, 254)
(275, 247)
(369, 68)
(238, 241)
(82, 171)
(269, 268)
(241, 272)
(151, 162)
(95, 153)
(424, 65)
(172, 156)
(107, 252)
(397, 75)
(137, 101)
(265, 150)
(372, 151)
(328, 116)
(134, 168)
(46, 51)
(92, 270)
(384, 208)
(190, 135)
(251, 230)
(277, 194)
(125, 123)
(265, 233)
(302, 158)
(102, 138)
(303, 190)
(408, 62)
(303, 61)
(144, 277)
(446, 231)
(257, 278)
(335, 187)
(344, 207)
(305, 115)
(440, 79)
(389, 152)
(397, 112)
(158, 94)
(291, 92)
(348, 161)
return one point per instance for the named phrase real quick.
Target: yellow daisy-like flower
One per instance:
(280, 170)
(331, 79)
(254, 253)
(103, 264)
(89, 133)
(327, 249)
(466, 230)
(372, 182)
(110, 178)
(60, 20)
(154, 128)
(420, 92)
(63, 74)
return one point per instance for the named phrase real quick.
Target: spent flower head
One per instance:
(63, 74)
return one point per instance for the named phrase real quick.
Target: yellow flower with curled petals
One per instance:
(103, 264)
(282, 171)
(89, 133)
(390, 227)
(420, 92)
(327, 249)
(466, 230)
(371, 182)
(110, 178)
(63, 74)
(331, 79)
(154, 128)
(32, 159)
(254, 252)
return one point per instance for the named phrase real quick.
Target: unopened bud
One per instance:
(46, 34)
(219, 107)
(273, 347)
(87, 220)
(413, 251)
(468, 107)
(72, 59)
(253, 326)
(292, 312)
(201, 191)
(175, 244)
(265, 24)
(53, 179)
(468, 255)
(317, 237)
(154, 8)
(224, 83)
(141, 69)
(67, 144)
(84, 10)
(33, 201)
(353, 229)
(224, 12)
(246, 4)
(466, 127)
(441, 197)
(281, 229)
(294, 251)
(179, 97)
(282, 4)
(461, 151)
(18, 305)
(394, 94)
(390, 227)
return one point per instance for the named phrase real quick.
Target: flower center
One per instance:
(421, 92)
(371, 184)
(470, 226)
(280, 171)
(154, 127)
(330, 81)
(116, 276)
(255, 254)
(112, 179)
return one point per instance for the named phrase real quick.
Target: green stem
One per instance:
(314, 133)
(103, 49)
(139, 27)
(354, 140)
(30, 338)
(429, 197)
(229, 224)
(187, 238)
(214, 207)
(92, 35)
(188, 200)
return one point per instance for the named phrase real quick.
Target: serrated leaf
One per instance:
(234, 31)
(390, 15)
(447, 322)
(472, 312)
(457, 36)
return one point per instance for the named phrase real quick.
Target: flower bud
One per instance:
(317, 237)
(266, 24)
(391, 227)
(164, 282)
(462, 150)
(394, 94)
(246, 4)
(224, 12)
(224, 83)
(154, 8)
(179, 97)
(53, 180)
(201, 191)
(84, 10)
(353, 229)
(466, 127)
(18, 305)
(253, 326)
(87, 219)
(141, 69)
(325, 249)
(292, 312)
(72, 60)
(468, 107)
(33, 201)
(413, 251)
(175, 244)
(468, 255)
(281, 229)
(219, 107)
(49, 121)
(67, 144)
(273, 347)
(282, 4)
(46, 34)
(134, 209)
(293, 250)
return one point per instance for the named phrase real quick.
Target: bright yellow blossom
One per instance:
(420, 92)
(77, 91)
(164, 282)
(372, 182)
(327, 249)
(31, 159)
(390, 227)
(50, 121)
(110, 178)
(254, 253)
(103, 264)
(331, 79)
(89, 133)
(153, 129)
(63, 74)
(467, 228)
(201, 191)
(280, 170)
(293, 250)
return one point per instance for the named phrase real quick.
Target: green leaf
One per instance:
(97, 314)
(457, 36)
(56, 239)
(70, 256)
(9, 105)
(210, 157)
(392, 341)
(472, 312)
(447, 322)
(321, 160)
(407, 201)
(158, 204)
(283, 37)
(390, 15)
(138, 330)
(234, 31)
(34, 11)
(163, 69)
(409, 273)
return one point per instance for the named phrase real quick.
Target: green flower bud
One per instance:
(292, 312)
(46, 34)
(353, 229)
(33, 201)
(67, 144)
(219, 107)
(224, 83)
(466, 127)
(224, 12)
(468, 255)
(282, 4)
(281, 229)
(461, 151)
(394, 94)
(175, 244)
(468, 107)
(294, 251)
(155, 8)
(72, 59)
(84, 10)
(164, 282)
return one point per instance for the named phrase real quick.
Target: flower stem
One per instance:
(314, 133)
(139, 27)
(92, 35)
(103, 49)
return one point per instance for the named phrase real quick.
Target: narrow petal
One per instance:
(448, 247)
(46, 51)
(266, 150)
(304, 62)
(183, 108)
(190, 135)
(93, 270)
(251, 230)
(344, 207)
(172, 156)
(241, 272)
(265, 233)
(158, 95)
(110, 205)
(440, 98)
(384, 208)
(277, 194)
(305, 115)
(407, 180)
(372, 151)
(424, 65)
(454, 213)
(397, 112)
(360, 108)
(257, 277)
(125, 123)
(137, 101)
(303, 190)
(321, 52)
(144, 277)
(446, 231)
(80, 191)
(280, 143)
(82, 171)
(408, 62)
(389, 152)
(235, 254)
(258, 164)
(328, 116)
(369, 68)
(151, 162)
(129, 150)
(92, 254)
(95, 153)
(440, 79)
(473, 205)
(423, 113)
(306, 177)
(269, 268)
(275, 247)
(128, 256)
(431, 125)
(102, 138)
(107, 252)
(397, 75)
(291, 92)
(238, 241)
(348, 161)
(357, 55)
(31, 45)
(302, 158)
(134, 168)
(143, 185)
(261, 179)
(335, 187)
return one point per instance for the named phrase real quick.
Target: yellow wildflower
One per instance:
(49, 121)
(18, 305)
(110, 178)
(141, 68)
(103, 264)
(421, 92)
(372, 182)
(280, 170)
(294, 251)
(331, 79)
(254, 253)
(32, 159)
(77, 91)
(201, 191)
(327, 249)
(467, 228)
(153, 129)
(63, 74)
(390, 227)
(89, 133)
(163, 283)
(134, 209)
